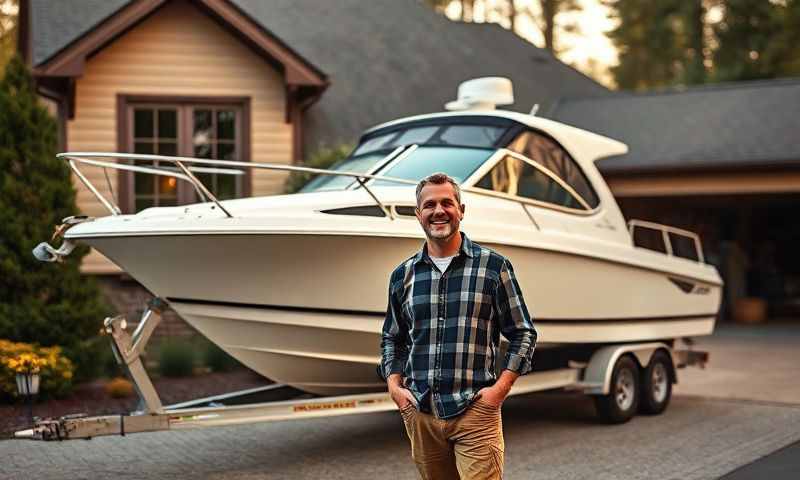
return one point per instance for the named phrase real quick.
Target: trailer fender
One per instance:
(597, 374)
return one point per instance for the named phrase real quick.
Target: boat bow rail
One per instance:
(184, 169)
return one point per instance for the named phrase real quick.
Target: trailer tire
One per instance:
(622, 401)
(656, 382)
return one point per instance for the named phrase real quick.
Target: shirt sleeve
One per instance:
(515, 322)
(395, 339)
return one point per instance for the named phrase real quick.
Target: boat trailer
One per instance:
(594, 377)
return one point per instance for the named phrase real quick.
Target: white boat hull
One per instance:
(328, 342)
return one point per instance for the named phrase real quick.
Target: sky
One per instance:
(588, 49)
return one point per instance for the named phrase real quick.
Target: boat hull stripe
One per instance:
(335, 311)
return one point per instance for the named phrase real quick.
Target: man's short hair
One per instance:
(439, 178)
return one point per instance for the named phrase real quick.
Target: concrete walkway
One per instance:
(748, 363)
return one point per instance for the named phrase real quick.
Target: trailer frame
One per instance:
(593, 378)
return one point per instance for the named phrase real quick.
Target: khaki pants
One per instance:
(469, 446)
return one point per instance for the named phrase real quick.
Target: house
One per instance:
(722, 160)
(253, 80)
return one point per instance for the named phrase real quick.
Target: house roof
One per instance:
(720, 126)
(384, 58)
(393, 58)
(77, 41)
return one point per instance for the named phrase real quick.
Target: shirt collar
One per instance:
(465, 249)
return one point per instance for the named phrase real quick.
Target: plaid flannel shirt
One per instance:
(442, 330)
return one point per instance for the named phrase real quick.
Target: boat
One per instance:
(295, 286)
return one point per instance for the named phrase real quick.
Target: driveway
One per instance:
(742, 408)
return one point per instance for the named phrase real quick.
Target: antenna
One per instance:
(534, 109)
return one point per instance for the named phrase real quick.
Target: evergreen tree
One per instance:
(49, 304)
(649, 49)
(785, 52)
(693, 37)
(745, 33)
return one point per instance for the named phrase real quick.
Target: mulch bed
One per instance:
(91, 397)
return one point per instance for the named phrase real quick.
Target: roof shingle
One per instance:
(735, 125)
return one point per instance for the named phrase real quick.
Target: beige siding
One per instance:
(177, 51)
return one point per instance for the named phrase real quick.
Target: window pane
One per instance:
(226, 124)
(357, 165)
(550, 155)
(167, 201)
(459, 163)
(167, 187)
(143, 123)
(206, 178)
(167, 124)
(683, 246)
(373, 144)
(415, 135)
(226, 187)
(202, 132)
(168, 149)
(144, 183)
(226, 151)
(203, 151)
(515, 177)
(143, 147)
(144, 202)
(471, 135)
(649, 238)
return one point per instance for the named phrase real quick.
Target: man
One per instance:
(448, 305)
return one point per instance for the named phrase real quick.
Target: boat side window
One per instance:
(469, 135)
(553, 157)
(513, 176)
(458, 135)
(417, 135)
(375, 143)
(650, 239)
(360, 164)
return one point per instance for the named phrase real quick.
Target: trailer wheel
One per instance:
(622, 401)
(656, 384)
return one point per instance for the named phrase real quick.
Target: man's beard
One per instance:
(440, 233)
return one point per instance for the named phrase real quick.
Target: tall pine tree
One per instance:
(746, 33)
(49, 304)
(649, 48)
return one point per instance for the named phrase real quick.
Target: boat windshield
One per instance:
(458, 162)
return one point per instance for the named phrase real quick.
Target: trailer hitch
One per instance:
(44, 252)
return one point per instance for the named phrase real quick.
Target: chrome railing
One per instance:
(185, 167)
(665, 231)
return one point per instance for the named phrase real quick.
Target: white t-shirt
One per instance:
(443, 262)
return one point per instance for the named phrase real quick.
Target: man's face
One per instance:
(439, 212)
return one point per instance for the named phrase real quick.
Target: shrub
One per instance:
(119, 388)
(218, 359)
(55, 370)
(176, 358)
(322, 158)
(42, 303)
